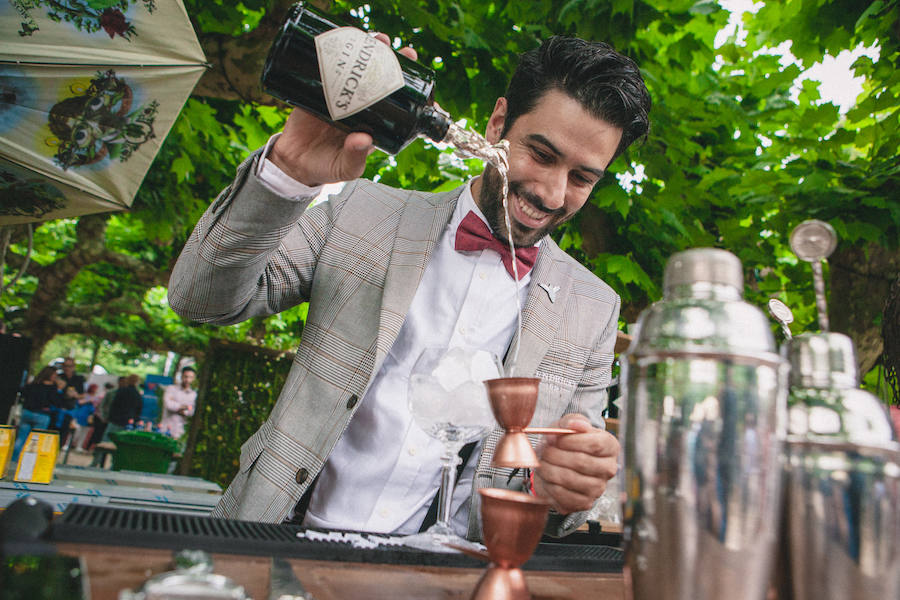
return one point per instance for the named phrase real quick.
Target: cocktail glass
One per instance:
(448, 401)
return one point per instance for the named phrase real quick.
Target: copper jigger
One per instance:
(513, 400)
(512, 523)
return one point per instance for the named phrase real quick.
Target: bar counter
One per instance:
(120, 549)
(113, 568)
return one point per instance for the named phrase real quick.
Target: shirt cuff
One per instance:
(279, 182)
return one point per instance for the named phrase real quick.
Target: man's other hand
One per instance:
(575, 467)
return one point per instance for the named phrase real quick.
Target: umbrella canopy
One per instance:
(88, 92)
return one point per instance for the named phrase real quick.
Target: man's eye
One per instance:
(580, 179)
(541, 155)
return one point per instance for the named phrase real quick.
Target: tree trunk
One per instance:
(48, 313)
(861, 277)
(54, 280)
(238, 62)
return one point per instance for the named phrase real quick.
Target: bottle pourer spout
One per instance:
(781, 313)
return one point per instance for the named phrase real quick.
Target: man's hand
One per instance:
(315, 152)
(575, 467)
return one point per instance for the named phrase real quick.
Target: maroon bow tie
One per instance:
(473, 235)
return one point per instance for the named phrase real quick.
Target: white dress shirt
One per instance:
(384, 471)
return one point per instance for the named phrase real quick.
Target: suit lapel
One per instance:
(422, 222)
(541, 315)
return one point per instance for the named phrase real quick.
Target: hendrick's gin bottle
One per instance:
(347, 77)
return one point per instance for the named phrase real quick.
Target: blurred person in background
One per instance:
(83, 417)
(101, 413)
(178, 404)
(41, 396)
(72, 385)
(125, 407)
(71, 378)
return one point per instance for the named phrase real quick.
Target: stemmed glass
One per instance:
(449, 402)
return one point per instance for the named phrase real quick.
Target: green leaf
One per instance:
(182, 167)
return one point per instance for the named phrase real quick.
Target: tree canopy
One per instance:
(742, 149)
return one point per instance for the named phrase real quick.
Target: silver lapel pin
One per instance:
(550, 289)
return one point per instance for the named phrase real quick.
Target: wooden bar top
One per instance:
(110, 569)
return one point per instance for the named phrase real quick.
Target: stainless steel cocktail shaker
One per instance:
(705, 396)
(842, 513)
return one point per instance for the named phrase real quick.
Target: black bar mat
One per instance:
(93, 524)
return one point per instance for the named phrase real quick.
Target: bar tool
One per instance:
(842, 508)
(193, 578)
(780, 311)
(513, 400)
(813, 241)
(704, 416)
(512, 524)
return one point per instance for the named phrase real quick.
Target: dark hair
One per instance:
(191, 369)
(607, 84)
(44, 374)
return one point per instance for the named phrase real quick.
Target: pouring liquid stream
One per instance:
(467, 143)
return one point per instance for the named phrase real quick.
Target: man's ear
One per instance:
(494, 129)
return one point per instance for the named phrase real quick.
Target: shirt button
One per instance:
(301, 476)
(482, 275)
(384, 513)
(462, 329)
(411, 450)
(351, 402)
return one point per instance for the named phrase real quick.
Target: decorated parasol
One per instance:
(88, 92)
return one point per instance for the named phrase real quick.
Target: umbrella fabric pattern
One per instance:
(88, 91)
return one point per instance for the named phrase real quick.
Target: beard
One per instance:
(490, 201)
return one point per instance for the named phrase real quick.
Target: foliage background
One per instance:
(238, 387)
(735, 159)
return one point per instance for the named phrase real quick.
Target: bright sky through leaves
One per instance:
(838, 84)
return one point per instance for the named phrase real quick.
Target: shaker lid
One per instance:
(703, 265)
(822, 360)
(825, 403)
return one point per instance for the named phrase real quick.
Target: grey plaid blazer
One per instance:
(358, 259)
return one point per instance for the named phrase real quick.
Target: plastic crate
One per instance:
(142, 451)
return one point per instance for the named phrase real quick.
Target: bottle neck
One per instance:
(434, 123)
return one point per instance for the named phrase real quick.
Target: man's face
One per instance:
(68, 367)
(558, 151)
(187, 378)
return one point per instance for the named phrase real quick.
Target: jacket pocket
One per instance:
(254, 445)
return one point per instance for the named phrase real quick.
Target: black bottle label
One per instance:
(356, 69)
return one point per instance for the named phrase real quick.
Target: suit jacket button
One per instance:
(301, 476)
(351, 402)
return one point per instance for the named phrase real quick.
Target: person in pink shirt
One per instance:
(178, 404)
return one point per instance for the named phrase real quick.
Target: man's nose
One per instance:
(554, 193)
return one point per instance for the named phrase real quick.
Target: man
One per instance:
(384, 280)
(126, 406)
(178, 404)
(101, 413)
(102, 420)
(72, 388)
(71, 378)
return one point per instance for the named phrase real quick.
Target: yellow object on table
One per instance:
(7, 443)
(38, 457)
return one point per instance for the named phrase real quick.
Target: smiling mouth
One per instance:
(535, 218)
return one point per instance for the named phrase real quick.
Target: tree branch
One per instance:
(238, 62)
(143, 273)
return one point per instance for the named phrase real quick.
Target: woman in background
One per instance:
(42, 397)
